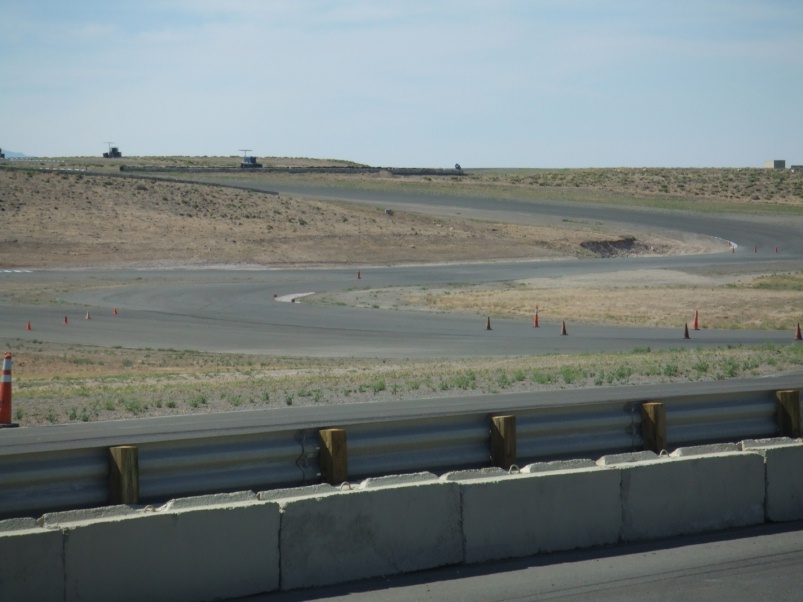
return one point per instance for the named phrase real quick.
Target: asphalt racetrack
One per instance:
(238, 310)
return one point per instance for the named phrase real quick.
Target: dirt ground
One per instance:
(56, 220)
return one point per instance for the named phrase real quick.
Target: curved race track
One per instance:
(235, 310)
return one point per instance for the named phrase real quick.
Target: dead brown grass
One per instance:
(67, 219)
(57, 384)
(662, 306)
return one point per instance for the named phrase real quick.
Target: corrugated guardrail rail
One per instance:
(209, 459)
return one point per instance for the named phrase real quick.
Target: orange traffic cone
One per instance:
(28, 327)
(535, 318)
(563, 329)
(5, 393)
(114, 313)
(797, 333)
(686, 332)
(359, 276)
(65, 319)
(87, 316)
(696, 321)
(488, 323)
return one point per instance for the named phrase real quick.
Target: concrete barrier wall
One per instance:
(667, 496)
(784, 477)
(31, 563)
(235, 545)
(194, 549)
(542, 509)
(384, 526)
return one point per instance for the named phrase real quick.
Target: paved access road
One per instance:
(235, 310)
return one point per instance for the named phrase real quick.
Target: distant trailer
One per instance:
(250, 163)
(2, 154)
(775, 164)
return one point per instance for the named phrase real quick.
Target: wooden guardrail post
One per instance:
(503, 441)
(788, 413)
(653, 426)
(334, 456)
(124, 474)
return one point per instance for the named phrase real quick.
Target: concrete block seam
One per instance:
(461, 525)
(279, 547)
(622, 509)
(64, 561)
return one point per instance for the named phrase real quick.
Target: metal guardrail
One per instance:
(38, 482)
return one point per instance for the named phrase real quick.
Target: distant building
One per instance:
(114, 153)
(2, 155)
(776, 164)
(250, 163)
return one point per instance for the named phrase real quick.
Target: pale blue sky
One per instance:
(505, 83)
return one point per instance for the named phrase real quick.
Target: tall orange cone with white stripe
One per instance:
(488, 323)
(5, 393)
(696, 321)
(87, 316)
(535, 318)
(798, 336)
(563, 329)
(28, 326)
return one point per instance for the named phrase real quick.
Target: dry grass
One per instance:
(762, 303)
(658, 298)
(67, 219)
(56, 384)
(752, 187)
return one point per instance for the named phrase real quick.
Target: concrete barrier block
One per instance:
(206, 501)
(85, 515)
(674, 496)
(199, 553)
(507, 516)
(396, 480)
(298, 492)
(558, 465)
(783, 462)
(360, 533)
(474, 473)
(31, 566)
(759, 444)
(704, 450)
(628, 458)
